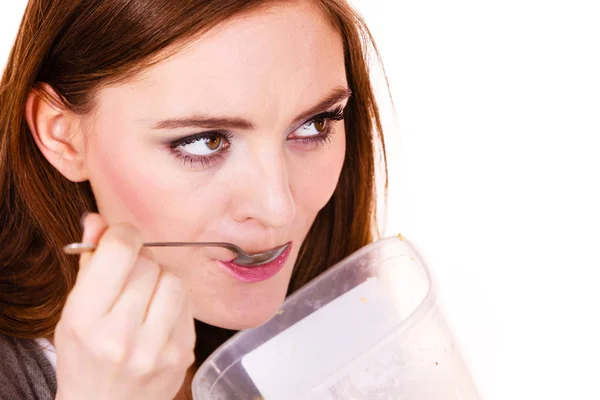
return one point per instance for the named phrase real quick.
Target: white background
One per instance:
(494, 177)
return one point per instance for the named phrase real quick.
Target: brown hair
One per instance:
(75, 47)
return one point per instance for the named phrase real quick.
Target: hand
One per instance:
(126, 331)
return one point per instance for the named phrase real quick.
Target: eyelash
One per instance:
(337, 114)
(205, 161)
(324, 137)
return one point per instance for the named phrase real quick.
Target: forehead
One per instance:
(286, 52)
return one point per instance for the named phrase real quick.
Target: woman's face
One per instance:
(235, 138)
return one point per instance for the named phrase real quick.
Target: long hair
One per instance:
(76, 47)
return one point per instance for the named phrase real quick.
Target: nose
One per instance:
(264, 194)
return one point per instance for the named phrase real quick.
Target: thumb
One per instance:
(94, 227)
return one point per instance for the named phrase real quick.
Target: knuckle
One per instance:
(110, 350)
(123, 238)
(127, 230)
(117, 245)
(176, 357)
(142, 365)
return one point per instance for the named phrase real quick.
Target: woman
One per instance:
(251, 122)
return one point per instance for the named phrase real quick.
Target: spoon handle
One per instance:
(78, 248)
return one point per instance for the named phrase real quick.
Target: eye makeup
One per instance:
(325, 119)
(218, 142)
(222, 137)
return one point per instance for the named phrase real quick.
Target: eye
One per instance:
(319, 126)
(203, 144)
(312, 128)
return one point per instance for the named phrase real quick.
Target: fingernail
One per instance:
(82, 220)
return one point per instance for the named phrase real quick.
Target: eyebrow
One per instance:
(335, 96)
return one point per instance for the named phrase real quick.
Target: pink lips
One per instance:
(257, 273)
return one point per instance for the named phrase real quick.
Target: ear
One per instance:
(56, 131)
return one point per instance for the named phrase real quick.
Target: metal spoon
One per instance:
(242, 258)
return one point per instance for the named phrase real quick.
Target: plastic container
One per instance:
(368, 328)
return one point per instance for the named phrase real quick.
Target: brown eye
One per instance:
(320, 124)
(314, 127)
(204, 144)
(214, 142)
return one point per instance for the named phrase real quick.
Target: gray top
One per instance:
(25, 372)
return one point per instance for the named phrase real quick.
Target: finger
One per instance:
(179, 351)
(94, 227)
(183, 336)
(163, 312)
(129, 311)
(108, 269)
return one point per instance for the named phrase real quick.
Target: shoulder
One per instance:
(25, 373)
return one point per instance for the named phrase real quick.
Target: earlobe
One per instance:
(55, 130)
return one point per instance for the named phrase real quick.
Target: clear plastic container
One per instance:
(368, 328)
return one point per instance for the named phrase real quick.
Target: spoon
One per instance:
(242, 258)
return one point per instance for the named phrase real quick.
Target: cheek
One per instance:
(116, 176)
(315, 177)
(127, 195)
(130, 182)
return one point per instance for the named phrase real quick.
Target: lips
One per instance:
(257, 273)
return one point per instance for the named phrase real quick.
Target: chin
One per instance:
(241, 312)
(230, 304)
